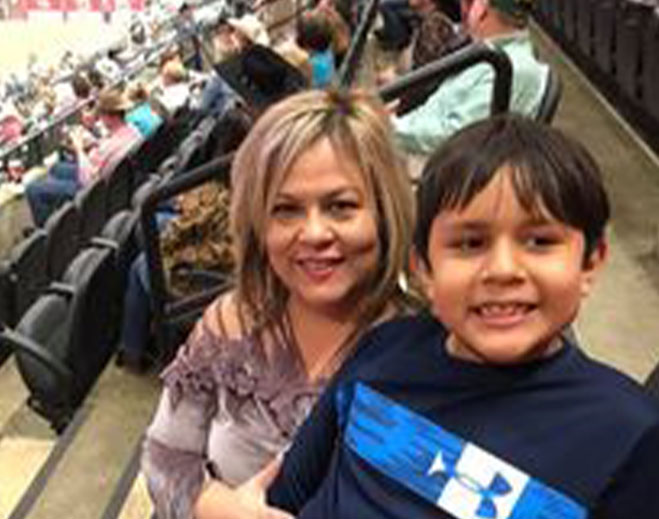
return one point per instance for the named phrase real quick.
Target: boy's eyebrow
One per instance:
(535, 220)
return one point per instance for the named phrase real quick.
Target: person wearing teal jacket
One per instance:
(466, 97)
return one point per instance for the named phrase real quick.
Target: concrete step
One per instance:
(107, 430)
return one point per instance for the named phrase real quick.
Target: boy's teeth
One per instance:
(502, 309)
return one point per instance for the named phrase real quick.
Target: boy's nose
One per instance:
(502, 263)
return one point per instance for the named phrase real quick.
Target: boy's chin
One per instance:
(503, 350)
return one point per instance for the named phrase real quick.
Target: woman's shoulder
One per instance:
(215, 348)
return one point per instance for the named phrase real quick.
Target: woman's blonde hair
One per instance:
(358, 128)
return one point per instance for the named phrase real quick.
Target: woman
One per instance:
(321, 212)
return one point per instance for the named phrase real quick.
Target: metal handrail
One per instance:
(454, 63)
(348, 68)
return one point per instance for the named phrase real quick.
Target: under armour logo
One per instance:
(445, 467)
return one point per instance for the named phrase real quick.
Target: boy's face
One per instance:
(504, 281)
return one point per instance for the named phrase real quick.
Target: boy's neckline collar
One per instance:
(506, 370)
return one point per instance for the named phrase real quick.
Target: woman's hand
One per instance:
(218, 501)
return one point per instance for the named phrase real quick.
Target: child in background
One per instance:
(314, 35)
(484, 409)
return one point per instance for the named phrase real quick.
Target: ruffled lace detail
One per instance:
(208, 366)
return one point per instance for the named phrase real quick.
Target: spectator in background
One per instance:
(314, 35)
(82, 88)
(466, 97)
(92, 159)
(186, 30)
(435, 37)
(11, 123)
(174, 91)
(340, 29)
(142, 115)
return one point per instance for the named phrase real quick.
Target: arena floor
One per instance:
(49, 36)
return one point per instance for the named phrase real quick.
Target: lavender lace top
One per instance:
(226, 404)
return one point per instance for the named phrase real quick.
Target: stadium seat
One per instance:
(570, 20)
(546, 9)
(631, 22)
(91, 203)
(62, 239)
(38, 345)
(28, 270)
(119, 187)
(551, 98)
(651, 67)
(585, 26)
(604, 35)
(557, 12)
(63, 341)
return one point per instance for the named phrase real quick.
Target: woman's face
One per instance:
(321, 236)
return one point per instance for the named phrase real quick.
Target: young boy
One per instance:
(484, 410)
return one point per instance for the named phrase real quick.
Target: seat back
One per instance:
(604, 35)
(119, 187)
(586, 26)
(46, 324)
(62, 239)
(7, 295)
(93, 331)
(91, 203)
(551, 98)
(28, 267)
(631, 23)
(651, 66)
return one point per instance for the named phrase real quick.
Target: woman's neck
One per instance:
(319, 337)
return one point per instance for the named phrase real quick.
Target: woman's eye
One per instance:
(342, 207)
(286, 210)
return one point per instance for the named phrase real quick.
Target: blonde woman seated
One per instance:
(321, 215)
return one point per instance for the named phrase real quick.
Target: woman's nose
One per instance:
(316, 227)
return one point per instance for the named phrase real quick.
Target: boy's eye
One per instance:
(541, 241)
(468, 243)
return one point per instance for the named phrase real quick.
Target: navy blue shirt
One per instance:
(406, 431)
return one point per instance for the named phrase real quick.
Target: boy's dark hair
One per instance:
(314, 33)
(549, 170)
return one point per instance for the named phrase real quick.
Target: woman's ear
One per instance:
(593, 264)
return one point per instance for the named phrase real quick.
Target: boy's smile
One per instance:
(503, 279)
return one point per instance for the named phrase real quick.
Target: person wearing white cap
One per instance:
(248, 28)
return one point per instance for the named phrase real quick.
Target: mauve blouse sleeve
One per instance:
(174, 451)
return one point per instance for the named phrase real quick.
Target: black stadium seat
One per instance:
(65, 338)
(28, 268)
(604, 35)
(91, 204)
(570, 20)
(119, 187)
(586, 26)
(62, 239)
(651, 66)
(631, 22)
